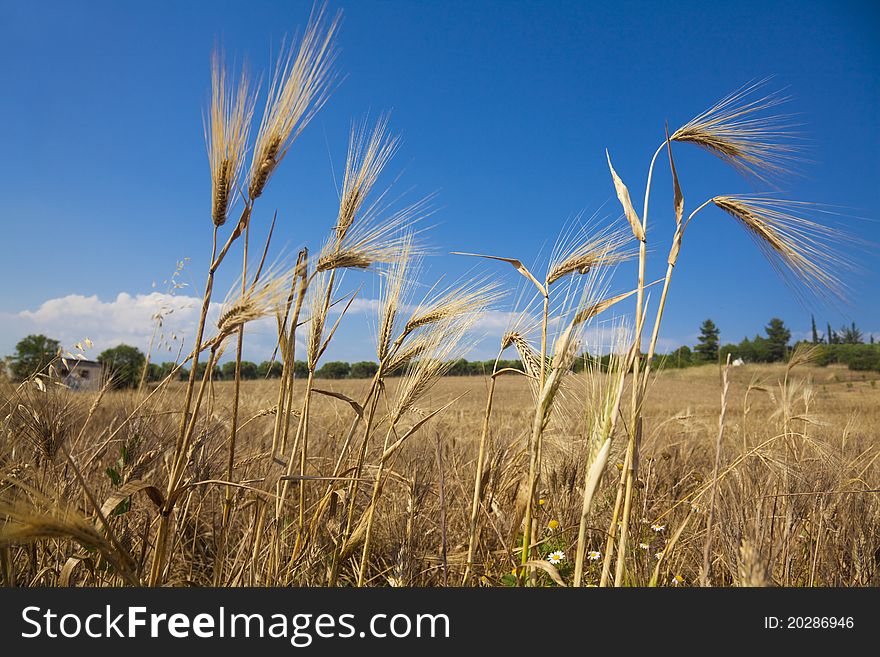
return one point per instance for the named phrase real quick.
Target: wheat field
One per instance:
(794, 507)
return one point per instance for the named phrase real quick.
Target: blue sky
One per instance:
(505, 109)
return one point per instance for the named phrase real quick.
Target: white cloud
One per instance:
(129, 319)
(126, 319)
(358, 306)
(496, 322)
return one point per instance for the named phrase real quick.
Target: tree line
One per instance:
(845, 345)
(129, 366)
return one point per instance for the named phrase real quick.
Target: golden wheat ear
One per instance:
(802, 251)
(396, 285)
(226, 134)
(445, 344)
(582, 252)
(739, 130)
(255, 302)
(469, 296)
(300, 86)
(377, 237)
(368, 154)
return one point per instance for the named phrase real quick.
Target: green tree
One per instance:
(762, 349)
(154, 372)
(217, 373)
(228, 370)
(123, 364)
(270, 369)
(707, 343)
(248, 370)
(166, 368)
(681, 357)
(364, 369)
(32, 354)
(816, 338)
(335, 369)
(850, 335)
(832, 336)
(731, 349)
(460, 368)
(865, 360)
(777, 339)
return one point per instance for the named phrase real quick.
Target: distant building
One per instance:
(80, 374)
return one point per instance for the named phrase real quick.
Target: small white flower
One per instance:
(658, 527)
(658, 556)
(556, 557)
(594, 555)
(644, 546)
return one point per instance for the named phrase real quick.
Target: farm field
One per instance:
(788, 509)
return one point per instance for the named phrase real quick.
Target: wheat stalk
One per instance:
(602, 414)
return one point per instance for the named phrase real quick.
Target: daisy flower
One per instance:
(658, 556)
(594, 555)
(556, 557)
(657, 527)
(644, 546)
(677, 580)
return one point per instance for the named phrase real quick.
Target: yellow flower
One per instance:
(678, 579)
(541, 502)
(553, 524)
